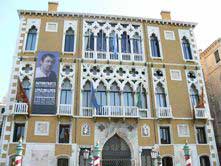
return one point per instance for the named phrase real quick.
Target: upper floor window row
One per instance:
(114, 41)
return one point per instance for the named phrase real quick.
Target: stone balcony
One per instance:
(116, 112)
(65, 110)
(164, 112)
(200, 113)
(20, 109)
(98, 55)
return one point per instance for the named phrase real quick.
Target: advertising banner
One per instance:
(46, 78)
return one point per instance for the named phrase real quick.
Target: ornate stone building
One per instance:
(129, 83)
(210, 60)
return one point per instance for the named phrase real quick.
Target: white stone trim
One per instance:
(12, 129)
(30, 23)
(82, 128)
(73, 25)
(186, 33)
(47, 29)
(173, 78)
(70, 132)
(180, 133)
(171, 134)
(36, 132)
(168, 37)
(156, 31)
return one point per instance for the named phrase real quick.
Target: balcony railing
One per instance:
(200, 113)
(111, 56)
(20, 109)
(164, 112)
(116, 111)
(65, 110)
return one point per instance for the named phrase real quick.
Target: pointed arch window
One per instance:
(125, 43)
(101, 41)
(160, 96)
(69, 40)
(26, 86)
(137, 49)
(101, 94)
(128, 95)
(115, 95)
(89, 40)
(194, 95)
(155, 47)
(186, 48)
(113, 42)
(86, 93)
(31, 39)
(141, 98)
(66, 92)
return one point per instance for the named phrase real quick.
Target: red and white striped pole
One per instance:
(97, 158)
(19, 149)
(187, 156)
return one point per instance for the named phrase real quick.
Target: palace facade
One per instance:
(129, 83)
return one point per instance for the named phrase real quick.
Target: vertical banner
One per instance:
(46, 78)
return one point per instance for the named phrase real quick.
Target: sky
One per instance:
(205, 12)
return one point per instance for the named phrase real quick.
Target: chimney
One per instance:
(165, 15)
(52, 6)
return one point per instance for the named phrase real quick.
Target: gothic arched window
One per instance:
(125, 43)
(115, 95)
(113, 42)
(86, 93)
(69, 40)
(26, 86)
(137, 48)
(101, 41)
(160, 96)
(101, 95)
(31, 39)
(128, 95)
(194, 95)
(89, 40)
(141, 98)
(186, 48)
(66, 92)
(155, 47)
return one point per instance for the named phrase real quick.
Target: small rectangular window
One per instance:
(19, 131)
(51, 27)
(175, 75)
(217, 57)
(201, 135)
(183, 130)
(165, 135)
(169, 35)
(64, 133)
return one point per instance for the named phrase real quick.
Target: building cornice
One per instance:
(211, 46)
(102, 16)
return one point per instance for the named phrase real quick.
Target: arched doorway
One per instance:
(116, 152)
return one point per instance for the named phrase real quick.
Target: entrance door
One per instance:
(116, 152)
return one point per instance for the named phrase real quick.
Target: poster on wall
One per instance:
(46, 78)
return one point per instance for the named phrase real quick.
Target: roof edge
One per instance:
(93, 15)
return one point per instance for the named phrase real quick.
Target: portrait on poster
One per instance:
(46, 77)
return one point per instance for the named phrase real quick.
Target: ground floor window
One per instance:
(165, 135)
(19, 131)
(62, 162)
(146, 157)
(201, 135)
(204, 161)
(167, 161)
